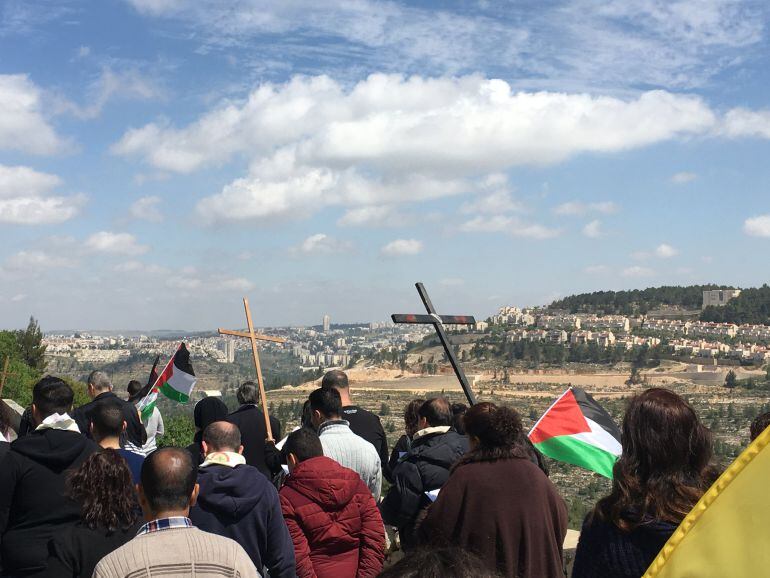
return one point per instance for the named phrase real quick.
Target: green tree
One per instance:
(179, 431)
(731, 380)
(384, 409)
(31, 346)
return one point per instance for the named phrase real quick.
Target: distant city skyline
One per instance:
(322, 158)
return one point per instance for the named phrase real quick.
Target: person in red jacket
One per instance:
(332, 518)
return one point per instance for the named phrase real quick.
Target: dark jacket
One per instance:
(135, 432)
(424, 468)
(605, 550)
(240, 503)
(367, 425)
(251, 421)
(33, 506)
(333, 520)
(402, 447)
(506, 511)
(76, 552)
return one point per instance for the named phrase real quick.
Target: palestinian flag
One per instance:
(578, 431)
(176, 382)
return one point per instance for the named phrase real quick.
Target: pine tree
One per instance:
(31, 346)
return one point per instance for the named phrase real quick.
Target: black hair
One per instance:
(133, 387)
(52, 395)
(335, 379)
(439, 563)
(458, 412)
(222, 436)
(107, 417)
(437, 411)
(327, 401)
(307, 415)
(168, 479)
(303, 443)
(247, 393)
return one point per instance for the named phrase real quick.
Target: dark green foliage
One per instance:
(751, 306)
(384, 409)
(179, 431)
(731, 381)
(634, 301)
(30, 346)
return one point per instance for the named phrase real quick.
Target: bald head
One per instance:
(335, 379)
(437, 412)
(168, 480)
(222, 436)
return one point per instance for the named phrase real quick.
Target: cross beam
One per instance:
(253, 337)
(438, 321)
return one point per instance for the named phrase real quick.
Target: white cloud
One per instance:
(579, 208)
(313, 142)
(637, 271)
(235, 284)
(510, 225)
(493, 203)
(593, 230)
(321, 244)
(25, 198)
(683, 177)
(402, 247)
(23, 126)
(34, 261)
(758, 226)
(114, 243)
(375, 216)
(742, 122)
(665, 251)
(596, 270)
(146, 208)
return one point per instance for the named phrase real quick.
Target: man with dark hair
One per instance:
(236, 501)
(436, 446)
(331, 514)
(33, 505)
(107, 425)
(759, 425)
(168, 544)
(341, 444)
(100, 388)
(257, 449)
(362, 422)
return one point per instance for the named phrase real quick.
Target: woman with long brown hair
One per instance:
(498, 503)
(108, 515)
(663, 471)
(404, 443)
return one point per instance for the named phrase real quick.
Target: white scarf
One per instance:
(229, 459)
(432, 430)
(59, 421)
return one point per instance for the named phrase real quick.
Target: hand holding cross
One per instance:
(257, 366)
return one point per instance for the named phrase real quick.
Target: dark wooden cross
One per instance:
(5, 375)
(438, 322)
(253, 337)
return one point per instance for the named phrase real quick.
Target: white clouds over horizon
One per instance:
(401, 247)
(758, 226)
(25, 198)
(115, 243)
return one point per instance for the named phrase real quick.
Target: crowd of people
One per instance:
(87, 492)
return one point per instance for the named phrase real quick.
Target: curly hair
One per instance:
(412, 415)
(665, 466)
(103, 487)
(499, 431)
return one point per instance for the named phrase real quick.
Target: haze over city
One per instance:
(159, 159)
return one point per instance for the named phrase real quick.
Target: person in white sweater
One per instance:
(168, 544)
(340, 443)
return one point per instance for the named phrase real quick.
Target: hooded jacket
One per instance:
(33, 505)
(240, 503)
(135, 432)
(606, 550)
(424, 468)
(333, 521)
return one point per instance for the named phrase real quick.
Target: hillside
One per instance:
(636, 300)
(751, 306)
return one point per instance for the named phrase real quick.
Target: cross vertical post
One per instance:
(253, 337)
(438, 322)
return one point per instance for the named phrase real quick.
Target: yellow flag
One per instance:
(727, 533)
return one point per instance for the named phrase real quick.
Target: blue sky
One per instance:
(159, 159)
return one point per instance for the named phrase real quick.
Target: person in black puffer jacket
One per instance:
(664, 469)
(436, 447)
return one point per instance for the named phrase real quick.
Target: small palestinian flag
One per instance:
(176, 382)
(578, 431)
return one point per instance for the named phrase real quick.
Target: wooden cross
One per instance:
(438, 321)
(4, 376)
(254, 337)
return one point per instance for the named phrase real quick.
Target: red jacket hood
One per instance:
(325, 482)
